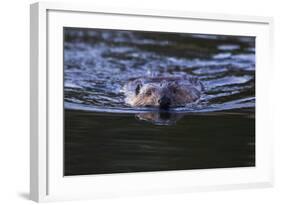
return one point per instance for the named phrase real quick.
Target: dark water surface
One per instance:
(112, 143)
(104, 135)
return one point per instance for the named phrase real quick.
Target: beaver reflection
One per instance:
(161, 117)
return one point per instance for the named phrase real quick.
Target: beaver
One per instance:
(163, 92)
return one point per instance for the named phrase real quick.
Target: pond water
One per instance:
(104, 135)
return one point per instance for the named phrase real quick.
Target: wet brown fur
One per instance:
(180, 91)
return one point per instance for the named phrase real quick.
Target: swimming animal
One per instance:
(164, 91)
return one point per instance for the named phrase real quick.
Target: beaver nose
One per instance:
(164, 102)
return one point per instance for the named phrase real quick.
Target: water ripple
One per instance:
(97, 63)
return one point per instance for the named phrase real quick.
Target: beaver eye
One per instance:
(148, 93)
(138, 89)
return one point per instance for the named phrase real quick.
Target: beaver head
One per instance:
(162, 92)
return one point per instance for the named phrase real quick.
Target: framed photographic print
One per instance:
(129, 101)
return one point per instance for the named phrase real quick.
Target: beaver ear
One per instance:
(138, 89)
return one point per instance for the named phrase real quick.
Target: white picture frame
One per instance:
(47, 182)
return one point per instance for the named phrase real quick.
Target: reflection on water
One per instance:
(160, 117)
(104, 135)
